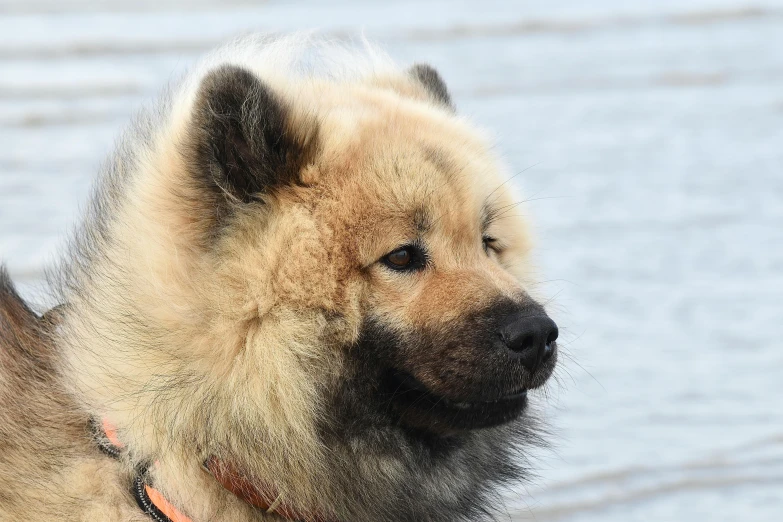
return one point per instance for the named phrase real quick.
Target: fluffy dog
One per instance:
(298, 293)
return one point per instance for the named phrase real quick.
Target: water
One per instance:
(649, 138)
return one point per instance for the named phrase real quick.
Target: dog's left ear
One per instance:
(429, 78)
(242, 141)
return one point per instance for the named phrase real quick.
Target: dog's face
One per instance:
(439, 257)
(393, 224)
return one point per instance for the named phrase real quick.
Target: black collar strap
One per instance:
(149, 499)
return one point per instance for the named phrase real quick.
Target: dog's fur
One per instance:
(224, 297)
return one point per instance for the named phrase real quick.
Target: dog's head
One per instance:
(387, 217)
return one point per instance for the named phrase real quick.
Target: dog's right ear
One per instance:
(432, 81)
(242, 142)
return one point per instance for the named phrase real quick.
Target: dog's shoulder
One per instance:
(21, 339)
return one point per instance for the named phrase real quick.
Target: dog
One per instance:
(299, 292)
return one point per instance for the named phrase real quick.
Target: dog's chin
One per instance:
(418, 407)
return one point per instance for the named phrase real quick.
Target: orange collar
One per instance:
(264, 497)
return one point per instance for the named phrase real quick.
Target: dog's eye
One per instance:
(405, 258)
(490, 243)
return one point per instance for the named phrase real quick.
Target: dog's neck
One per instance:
(185, 473)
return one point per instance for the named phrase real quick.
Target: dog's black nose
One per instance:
(531, 338)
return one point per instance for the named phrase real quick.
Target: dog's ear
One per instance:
(243, 143)
(428, 77)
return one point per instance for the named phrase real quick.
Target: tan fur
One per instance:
(162, 330)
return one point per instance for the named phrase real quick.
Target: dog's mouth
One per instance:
(419, 407)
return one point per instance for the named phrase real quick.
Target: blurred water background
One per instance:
(649, 137)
